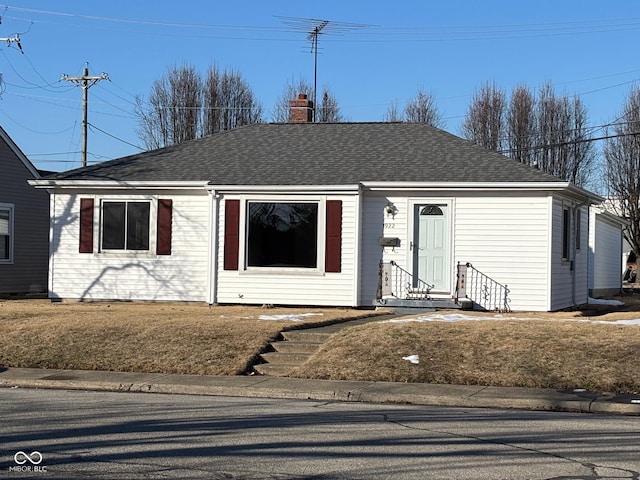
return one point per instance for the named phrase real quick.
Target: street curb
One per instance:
(468, 396)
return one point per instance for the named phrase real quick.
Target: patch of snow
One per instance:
(602, 301)
(412, 358)
(452, 317)
(459, 317)
(633, 321)
(292, 317)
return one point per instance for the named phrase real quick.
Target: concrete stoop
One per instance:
(295, 347)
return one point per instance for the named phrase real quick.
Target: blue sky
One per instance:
(447, 48)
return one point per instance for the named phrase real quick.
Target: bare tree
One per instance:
(182, 106)
(422, 109)
(552, 121)
(172, 113)
(419, 109)
(622, 157)
(291, 91)
(393, 113)
(581, 155)
(484, 121)
(229, 102)
(153, 118)
(521, 125)
(327, 111)
(563, 149)
(549, 131)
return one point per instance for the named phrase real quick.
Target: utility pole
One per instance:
(85, 81)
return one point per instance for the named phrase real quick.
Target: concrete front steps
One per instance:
(294, 347)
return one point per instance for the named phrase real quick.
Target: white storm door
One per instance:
(431, 246)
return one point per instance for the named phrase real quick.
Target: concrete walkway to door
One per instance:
(296, 346)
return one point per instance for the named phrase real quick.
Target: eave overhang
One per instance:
(116, 185)
(285, 189)
(565, 187)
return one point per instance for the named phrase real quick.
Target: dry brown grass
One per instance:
(553, 351)
(142, 337)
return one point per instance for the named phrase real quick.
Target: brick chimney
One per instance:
(301, 109)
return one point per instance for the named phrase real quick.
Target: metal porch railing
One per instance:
(395, 281)
(481, 289)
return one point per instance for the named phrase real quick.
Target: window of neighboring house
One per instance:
(282, 234)
(566, 224)
(125, 225)
(6, 233)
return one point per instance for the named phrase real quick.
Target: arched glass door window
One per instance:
(431, 210)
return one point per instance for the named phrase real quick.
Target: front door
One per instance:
(431, 246)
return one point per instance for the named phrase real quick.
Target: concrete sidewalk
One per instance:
(344, 391)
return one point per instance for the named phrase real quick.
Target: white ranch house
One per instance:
(347, 214)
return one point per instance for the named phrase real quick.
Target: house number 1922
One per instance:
(389, 225)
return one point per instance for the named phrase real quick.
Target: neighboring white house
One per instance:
(315, 214)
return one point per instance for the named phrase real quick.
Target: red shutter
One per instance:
(333, 253)
(163, 239)
(231, 234)
(86, 225)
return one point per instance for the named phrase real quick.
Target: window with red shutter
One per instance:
(163, 239)
(231, 234)
(86, 225)
(283, 235)
(333, 249)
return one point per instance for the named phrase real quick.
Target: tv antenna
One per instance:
(315, 27)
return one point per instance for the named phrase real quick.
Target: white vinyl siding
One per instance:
(376, 223)
(569, 276)
(582, 257)
(285, 286)
(181, 276)
(605, 241)
(506, 238)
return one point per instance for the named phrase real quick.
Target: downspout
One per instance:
(52, 221)
(550, 296)
(573, 250)
(212, 256)
(357, 280)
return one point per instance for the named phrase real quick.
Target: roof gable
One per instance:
(18, 153)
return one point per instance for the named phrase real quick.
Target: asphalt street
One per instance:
(58, 434)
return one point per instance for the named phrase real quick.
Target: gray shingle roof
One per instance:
(317, 154)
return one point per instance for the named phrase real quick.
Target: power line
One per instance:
(568, 142)
(586, 26)
(33, 85)
(117, 138)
